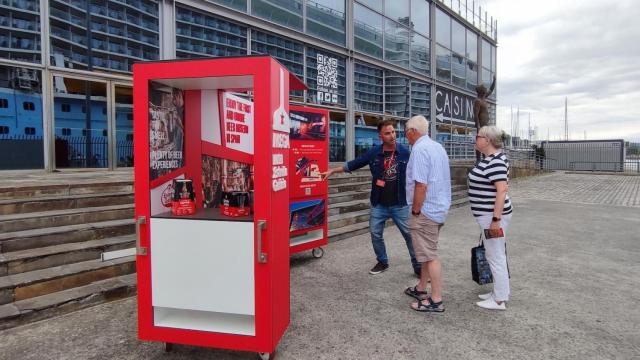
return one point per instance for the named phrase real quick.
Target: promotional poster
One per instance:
(221, 177)
(308, 133)
(166, 130)
(211, 181)
(307, 214)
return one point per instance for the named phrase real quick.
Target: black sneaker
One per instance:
(380, 267)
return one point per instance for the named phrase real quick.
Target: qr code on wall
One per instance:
(327, 71)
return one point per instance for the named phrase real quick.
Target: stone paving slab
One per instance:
(575, 285)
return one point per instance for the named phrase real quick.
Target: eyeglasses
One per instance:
(406, 131)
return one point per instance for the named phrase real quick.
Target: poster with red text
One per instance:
(237, 115)
(308, 155)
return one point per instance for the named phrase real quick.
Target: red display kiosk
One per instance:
(308, 158)
(220, 129)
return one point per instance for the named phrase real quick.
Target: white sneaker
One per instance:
(491, 305)
(486, 296)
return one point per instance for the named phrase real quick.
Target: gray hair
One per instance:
(493, 134)
(419, 123)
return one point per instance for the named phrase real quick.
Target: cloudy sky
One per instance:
(585, 50)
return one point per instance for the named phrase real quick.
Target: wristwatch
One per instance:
(415, 213)
(495, 219)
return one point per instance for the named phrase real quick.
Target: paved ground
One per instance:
(575, 284)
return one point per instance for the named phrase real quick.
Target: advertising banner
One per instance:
(238, 122)
(166, 129)
(308, 156)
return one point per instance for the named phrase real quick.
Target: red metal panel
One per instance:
(193, 161)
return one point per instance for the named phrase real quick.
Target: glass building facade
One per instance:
(363, 60)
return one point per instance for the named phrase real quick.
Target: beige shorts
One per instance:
(424, 236)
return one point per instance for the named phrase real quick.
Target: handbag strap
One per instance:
(480, 242)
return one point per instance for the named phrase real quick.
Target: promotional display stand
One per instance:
(308, 159)
(218, 277)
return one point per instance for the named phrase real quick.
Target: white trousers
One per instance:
(495, 251)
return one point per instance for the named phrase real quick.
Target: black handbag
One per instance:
(480, 270)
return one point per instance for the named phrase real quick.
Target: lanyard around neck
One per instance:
(387, 162)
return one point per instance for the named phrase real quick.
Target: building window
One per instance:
(420, 16)
(374, 4)
(129, 137)
(486, 54)
(396, 98)
(65, 107)
(119, 35)
(458, 67)
(443, 28)
(104, 111)
(326, 20)
(66, 131)
(396, 44)
(4, 103)
(290, 53)
(29, 106)
(84, 109)
(420, 99)
(285, 13)
(29, 131)
(20, 35)
(368, 88)
(104, 132)
(443, 64)
(199, 34)
(4, 130)
(397, 10)
(367, 31)
(472, 75)
(235, 4)
(458, 38)
(130, 117)
(420, 54)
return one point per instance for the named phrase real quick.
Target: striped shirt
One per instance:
(481, 182)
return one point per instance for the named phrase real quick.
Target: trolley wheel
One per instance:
(168, 347)
(317, 252)
(267, 356)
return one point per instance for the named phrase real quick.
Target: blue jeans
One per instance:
(400, 216)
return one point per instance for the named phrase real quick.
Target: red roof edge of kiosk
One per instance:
(295, 83)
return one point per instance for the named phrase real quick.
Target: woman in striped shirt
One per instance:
(491, 206)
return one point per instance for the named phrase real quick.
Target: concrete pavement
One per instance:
(575, 279)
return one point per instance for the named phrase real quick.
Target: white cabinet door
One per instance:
(203, 265)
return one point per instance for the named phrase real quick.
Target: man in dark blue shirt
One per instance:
(388, 165)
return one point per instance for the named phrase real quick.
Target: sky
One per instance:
(587, 51)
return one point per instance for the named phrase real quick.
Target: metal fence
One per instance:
(527, 158)
(70, 152)
(125, 153)
(594, 155)
(458, 150)
(81, 152)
